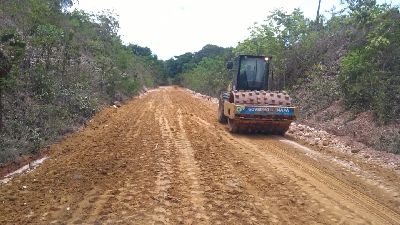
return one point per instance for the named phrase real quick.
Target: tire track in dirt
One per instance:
(99, 207)
(183, 175)
(242, 194)
(135, 201)
(191, 171)
(164, 177)
(90, 209)
(283, 165)
(320, 201)
(249, 184)
(164, 159)
(325, 188)
(372, 209)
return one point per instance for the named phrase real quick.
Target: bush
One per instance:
(57, 68)
(389, 142)
(370, 72)
(130, 86)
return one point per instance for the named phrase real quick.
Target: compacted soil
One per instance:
(164, 159)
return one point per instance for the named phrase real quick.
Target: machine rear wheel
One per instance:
(221, 117)
(233, 127)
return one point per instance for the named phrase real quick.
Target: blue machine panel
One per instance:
(264, 110)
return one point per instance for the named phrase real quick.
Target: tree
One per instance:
(178, 64)
(370, 71)
(360, 5)
(59, 5)
(11, 51)
(140, 51)
(5, 65)
(319, 6)
(290, 28)
(318, 21)
(75, 63)
(208, 51)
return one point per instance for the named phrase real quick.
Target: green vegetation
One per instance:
(175, 67)
(207, 77)
(370, 71)
(57, 68)
(352, 57)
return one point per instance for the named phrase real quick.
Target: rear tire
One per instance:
(221, 117)
(233, 127)
(281, 133)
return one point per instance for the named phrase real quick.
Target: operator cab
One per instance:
(251, 72)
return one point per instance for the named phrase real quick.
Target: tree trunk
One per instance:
(5, 68)
(1, 110)
(317, 20)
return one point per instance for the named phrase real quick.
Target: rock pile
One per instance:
(315, 137)
(201, 96)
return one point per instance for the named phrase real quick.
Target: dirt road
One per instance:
(164, 159)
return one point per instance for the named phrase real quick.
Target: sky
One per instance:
(173, 27)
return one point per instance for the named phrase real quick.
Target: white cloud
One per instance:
(174, 27)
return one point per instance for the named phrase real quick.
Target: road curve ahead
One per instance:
(164, 159)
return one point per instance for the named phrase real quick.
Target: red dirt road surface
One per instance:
(164, 159)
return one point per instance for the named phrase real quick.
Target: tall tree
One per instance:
(5, 68)
(317, 20)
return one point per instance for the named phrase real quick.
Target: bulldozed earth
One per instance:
(164, 159)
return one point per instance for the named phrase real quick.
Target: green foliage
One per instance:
(61, 4)
(178, 63)
(354, 56)
(141, 51)
(184, 63)
(362, 10)
(389, 142)
(58, 68)
(281, 36)
(262, 41)
(209, 76)
(208, 51)
(317, 91)
(130, 86)
(289, 28)
(48, 35)
(151, 60)
(12, 49)
(370, 72)
(42, 84)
